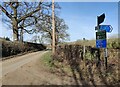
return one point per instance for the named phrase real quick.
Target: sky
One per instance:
(81, 18)
(67, 0)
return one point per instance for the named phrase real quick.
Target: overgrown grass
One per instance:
(48, 62)
(47, 58)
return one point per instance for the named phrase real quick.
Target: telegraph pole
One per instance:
(53, 29)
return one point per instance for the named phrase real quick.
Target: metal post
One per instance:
(105, 57)
(84, 47)
(84, 50)
(53, 29)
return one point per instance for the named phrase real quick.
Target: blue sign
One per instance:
(101, 43)
(108, 28)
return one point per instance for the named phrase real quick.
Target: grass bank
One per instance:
(56, 66)
(46, 59)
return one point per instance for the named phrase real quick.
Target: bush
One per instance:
(114, 45)
(13, 48)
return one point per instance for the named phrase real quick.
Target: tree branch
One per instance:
(7, 14)
(29, 31)
(11, 5)
(28, 15)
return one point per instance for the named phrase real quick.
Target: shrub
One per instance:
(13, 48)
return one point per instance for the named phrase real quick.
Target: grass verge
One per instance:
(46, 59)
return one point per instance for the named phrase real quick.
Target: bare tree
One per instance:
(45, 28)
(21, 15)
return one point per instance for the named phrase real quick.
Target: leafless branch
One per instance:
(5, 11)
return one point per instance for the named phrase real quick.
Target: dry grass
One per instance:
(111, 43)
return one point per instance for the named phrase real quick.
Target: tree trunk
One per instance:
(15, 26)
(56, 40)
(15, 30)
(21, 35)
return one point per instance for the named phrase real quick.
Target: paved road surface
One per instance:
(12, 64)
(30, 69)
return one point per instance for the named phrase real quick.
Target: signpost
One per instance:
(100, 18)
(101, 43)
(101, 36)
(101, 39)
(107, 28)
